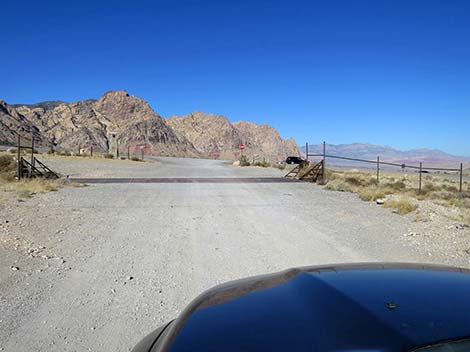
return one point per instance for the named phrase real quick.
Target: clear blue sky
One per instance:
(386, 72)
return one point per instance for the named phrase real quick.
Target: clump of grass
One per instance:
(7, 168)
(370, 194)
(402, 206)
(38, 185)
(395, 185)
(263, 163)
(279, 166)
(7, 164)
(340, 186)
(134, 158)
(108, 156)
(244, 161)
(63, 152)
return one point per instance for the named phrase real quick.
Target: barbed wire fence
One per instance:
(378, 162)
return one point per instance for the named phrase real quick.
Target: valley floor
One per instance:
(96, 268)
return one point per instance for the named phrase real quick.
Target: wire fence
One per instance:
(378, 163)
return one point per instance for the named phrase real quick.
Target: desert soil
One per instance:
(96, 268)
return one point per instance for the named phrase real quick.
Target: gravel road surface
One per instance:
(96, 268)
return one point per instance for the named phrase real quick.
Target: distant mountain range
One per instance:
(131, 121)
(386, 153)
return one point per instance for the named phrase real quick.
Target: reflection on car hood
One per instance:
(346, 308)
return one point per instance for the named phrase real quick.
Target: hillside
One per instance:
(92, 123)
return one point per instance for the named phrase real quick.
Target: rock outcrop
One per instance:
(91, 123)
(214, 136)
(118, 117)
(263, 141)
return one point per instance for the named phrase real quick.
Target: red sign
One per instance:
(242, 146)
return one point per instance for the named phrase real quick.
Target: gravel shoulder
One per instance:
(101, 266)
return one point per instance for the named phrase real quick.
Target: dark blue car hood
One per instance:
(352, 308)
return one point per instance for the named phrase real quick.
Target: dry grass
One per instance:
(402, 206)
(439, 190)
(24, 188)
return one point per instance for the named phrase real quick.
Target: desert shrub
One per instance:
(279, 166)
(449, 188)
(64, 153)
(244, 161)
(134, 158)
(265, 163)
(108, 156)
(13, 150)
(402, 206)
(353, 181)
(337, 185)
(395, 185)
(370, 194)
(38, 185)
(7, 164)
(428, 188)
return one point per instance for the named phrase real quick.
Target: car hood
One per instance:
(374, 307)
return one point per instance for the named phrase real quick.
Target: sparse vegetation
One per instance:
(441, 191)
(25, 188)
(263, 163)
(244, 161)
(402, 206)
(134, 158)
(108, 156)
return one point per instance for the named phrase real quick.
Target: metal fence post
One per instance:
(324, 160)
(128, 152)
(378, 168)
(91, 151)
(461, 177)
(420, 176)
(142, 154)
(306, 151)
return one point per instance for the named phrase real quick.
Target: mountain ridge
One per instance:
(119, 117)
(370, 151)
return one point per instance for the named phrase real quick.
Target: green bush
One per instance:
(244, 161)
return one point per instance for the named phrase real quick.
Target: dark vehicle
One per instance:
(359, 307)
(294, 160)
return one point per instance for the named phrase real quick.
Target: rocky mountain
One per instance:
(83, 124)
(386, 153)
(129, 120)
(214, 136)
(263, 140)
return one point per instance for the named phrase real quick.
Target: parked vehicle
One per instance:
(294, 160)
(359, 307)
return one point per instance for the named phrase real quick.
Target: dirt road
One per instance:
(101, 266)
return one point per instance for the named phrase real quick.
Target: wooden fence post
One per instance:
(18, 155)
(378, 169)
(32, 156)
(420, 176)
(461, 177)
